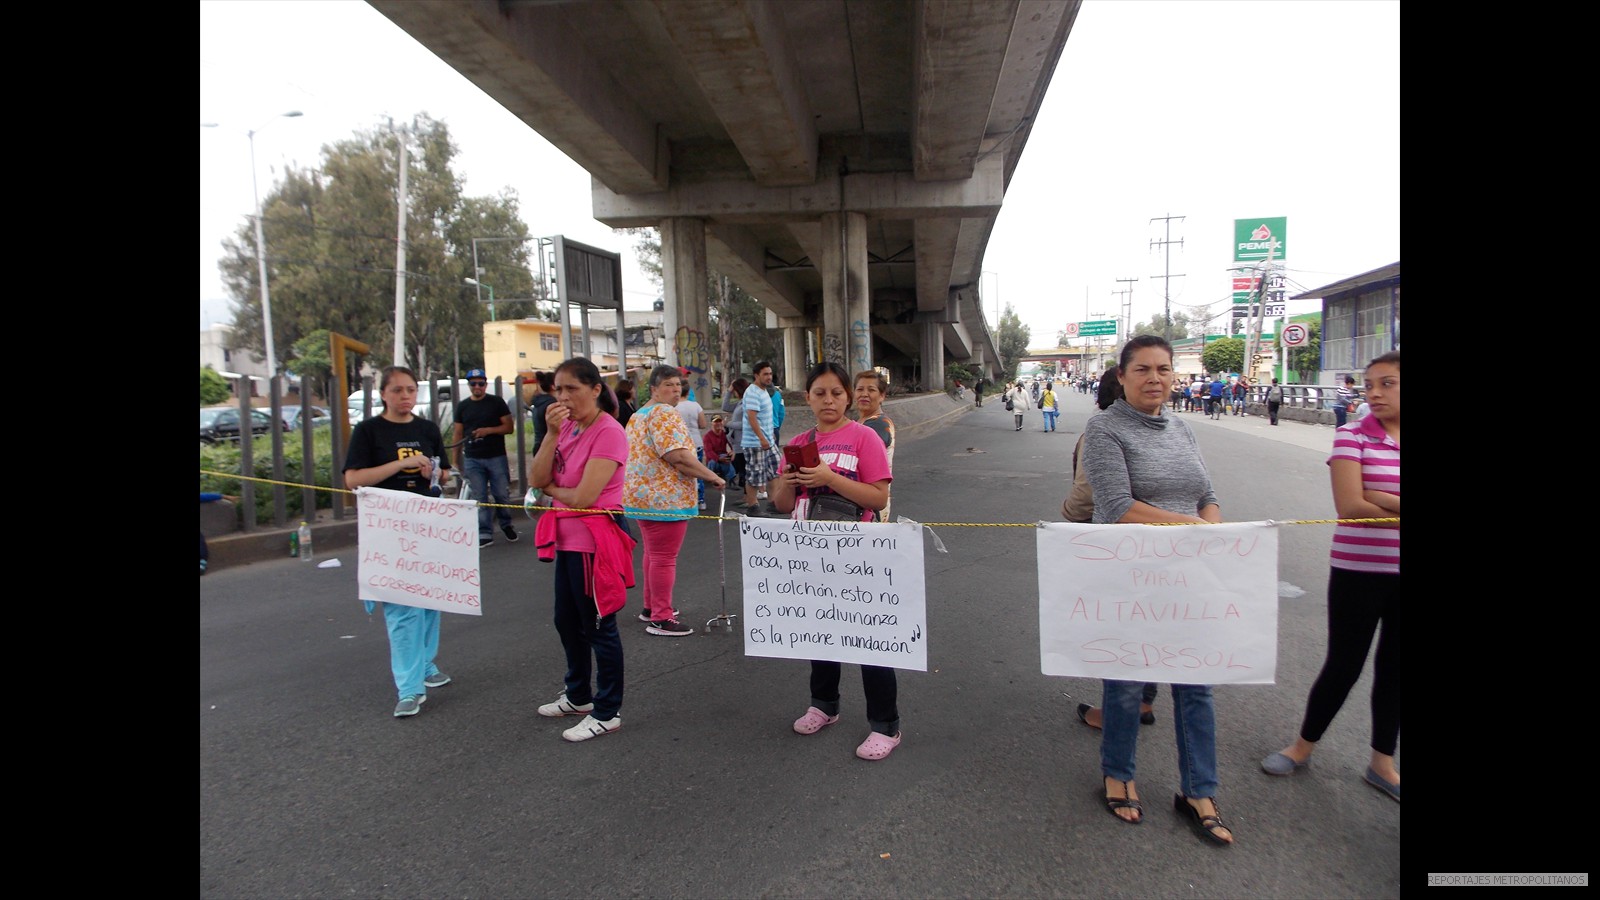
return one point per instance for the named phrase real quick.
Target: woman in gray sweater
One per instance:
(1145, 467)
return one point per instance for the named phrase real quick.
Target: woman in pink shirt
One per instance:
(854, 466)
(1363, 584)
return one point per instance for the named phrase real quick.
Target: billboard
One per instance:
(1254, 239)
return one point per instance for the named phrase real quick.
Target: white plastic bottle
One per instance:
(305, 541)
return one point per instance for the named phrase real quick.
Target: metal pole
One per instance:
(261, 261)
(400, 262)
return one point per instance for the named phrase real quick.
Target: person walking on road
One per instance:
(977, 393)
(1274, 401)
(1017, 402)
(1363, 584)
(658, 491)
(1050, 408)
(760, 453)
(397, 451)
(479, 435)
(854, 466)
(580, 467)
(1146, 468)
(1239, 388)
(1196, 388)
(1345, 401)
(1214, 398)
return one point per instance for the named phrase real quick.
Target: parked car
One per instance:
(292, 416)
(221, 423)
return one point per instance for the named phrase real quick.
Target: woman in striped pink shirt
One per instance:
(1363, 583)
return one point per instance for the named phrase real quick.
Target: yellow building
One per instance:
(520, 347)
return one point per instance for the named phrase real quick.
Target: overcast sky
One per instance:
(1209, 110)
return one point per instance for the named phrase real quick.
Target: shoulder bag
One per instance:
(830, 507)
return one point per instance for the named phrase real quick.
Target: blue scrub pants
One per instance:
(413, 644)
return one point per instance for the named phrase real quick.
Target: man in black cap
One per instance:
(482, 423)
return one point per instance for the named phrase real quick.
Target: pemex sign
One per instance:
(1254, 239)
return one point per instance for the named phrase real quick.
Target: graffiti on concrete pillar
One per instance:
(833, 348)
(860, 346)
(692, 352)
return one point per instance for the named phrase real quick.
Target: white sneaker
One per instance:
(761, 495)
(564, 707)
(591, 727)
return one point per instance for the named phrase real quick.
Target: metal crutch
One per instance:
(724, 619)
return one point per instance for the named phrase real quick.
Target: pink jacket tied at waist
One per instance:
(608, 572)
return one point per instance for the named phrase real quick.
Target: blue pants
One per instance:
(494, 474)
(1194, 717)
(413, 643)
(581, 635)
(699, 485)
(1050, 420)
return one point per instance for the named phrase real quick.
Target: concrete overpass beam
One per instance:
(531, 61)
(686, 309)
(958, 56)
(736, 253)
(741, 58)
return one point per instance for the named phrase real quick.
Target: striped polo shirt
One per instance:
(1368, 548)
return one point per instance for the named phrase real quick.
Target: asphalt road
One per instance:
(309, 787)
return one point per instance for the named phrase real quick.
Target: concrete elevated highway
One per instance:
(843, 161)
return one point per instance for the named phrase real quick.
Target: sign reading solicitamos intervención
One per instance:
(1183, 604)
(844, 591)
(418, 551)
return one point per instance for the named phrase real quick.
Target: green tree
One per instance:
(330, 239)
(1305, 360)
(1011, 342)
(213, 387)
(1223, 355)
(1157, 326)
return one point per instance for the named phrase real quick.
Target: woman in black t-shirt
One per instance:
(397, 451)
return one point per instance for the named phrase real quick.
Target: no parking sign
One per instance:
(1295, 335)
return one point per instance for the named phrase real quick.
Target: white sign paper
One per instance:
(418, 551)
(844, 591)
(1189, 604)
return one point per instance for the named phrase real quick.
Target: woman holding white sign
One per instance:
(1145, 468)
(579, 467)
(848, 478)
(1363, 584)
(397, 451)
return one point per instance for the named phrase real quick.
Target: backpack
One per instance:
(1009, 407)
(1275, 394)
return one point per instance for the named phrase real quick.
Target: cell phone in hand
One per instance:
(805, 456)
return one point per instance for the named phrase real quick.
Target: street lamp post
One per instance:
(476, 283)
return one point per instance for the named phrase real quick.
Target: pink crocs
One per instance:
(877, 746)
(813, 721)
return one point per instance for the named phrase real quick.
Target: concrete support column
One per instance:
(846, 294)
(793, 376)
(932, 356)
(686, 310)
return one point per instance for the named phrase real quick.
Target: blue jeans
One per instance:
(1194, 717)
(582, 635)
(1340, 413)
(699, 485)
(497, 474)
(1050, 420)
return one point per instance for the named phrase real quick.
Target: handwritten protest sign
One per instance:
(844, 591)
(418, 551)
(1191, 604)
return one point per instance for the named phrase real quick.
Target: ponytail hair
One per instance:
(588, 374)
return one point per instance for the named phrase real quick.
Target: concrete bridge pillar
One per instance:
(932, 356)
(793, 376)
(686, 310)
(846, 294)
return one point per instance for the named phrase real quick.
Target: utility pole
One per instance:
(400, 259)
(1166, 285)
(1253, 335)
(1126, 309)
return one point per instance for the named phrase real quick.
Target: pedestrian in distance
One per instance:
(1050, 407)
(544, 384)
(1239, 388)
(1196, 388)
(1214, 398)
(1017, 401)
(397, 451)
(1274, 401)
(871, 389)
(1363, 584)
(479, 435)
(760, 453)
(579, 466)
(977, 392)
(694, 419)
(1079, 507)
(854, 466)
(778, 411)
(658, 490)
(1147, 468)
(626, 405)
(733, 405)
(1178, 395)
(1344, 401)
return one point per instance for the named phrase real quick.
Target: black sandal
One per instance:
(1207, 825)
(1124, 802)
